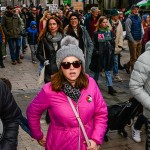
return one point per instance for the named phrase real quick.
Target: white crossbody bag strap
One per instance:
(80, 122)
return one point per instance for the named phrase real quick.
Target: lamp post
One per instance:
(101, 6)
(13, 3)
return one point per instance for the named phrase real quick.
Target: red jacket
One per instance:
(146, 36)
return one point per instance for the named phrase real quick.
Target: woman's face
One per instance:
(74, 21)
(48, 15)
(104, 23)
(17, 11)
(53, 26)
(72, 73)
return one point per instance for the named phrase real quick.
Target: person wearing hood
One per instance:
(70, 85)
(32, 40)
(134, 35)
(140, 85)
(145, 21)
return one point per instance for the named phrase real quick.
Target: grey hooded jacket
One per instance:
(140, 81)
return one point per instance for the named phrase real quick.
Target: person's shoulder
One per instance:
(83, 28)
(88, 16)
(2, 84)
(147, 29)
(47, 87)
(3, 88)
(144, 59)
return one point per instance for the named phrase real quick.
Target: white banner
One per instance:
(53, 7)
(142, 2)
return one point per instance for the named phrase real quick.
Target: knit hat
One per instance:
(134, 6)
(74, 14)
(145, 17)
(69, 47)
(114, 12)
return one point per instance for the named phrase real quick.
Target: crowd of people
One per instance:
(70, 45)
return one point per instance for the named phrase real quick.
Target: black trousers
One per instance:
(140, 121)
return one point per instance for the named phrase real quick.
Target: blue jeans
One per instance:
(108, 77)
(41, 67)
(14, 48)
(115, 67)
(23, 42)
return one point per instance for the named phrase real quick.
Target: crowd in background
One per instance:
(100, 38)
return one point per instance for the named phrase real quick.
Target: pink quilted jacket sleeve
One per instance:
(34, 112)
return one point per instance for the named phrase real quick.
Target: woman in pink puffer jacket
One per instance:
(64, 132)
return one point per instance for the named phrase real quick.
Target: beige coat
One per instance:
(119, 37)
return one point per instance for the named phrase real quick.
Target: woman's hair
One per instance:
(46, 29)
(58, 79)
(7, 82)
(44, 15)
(65, 11)
(100, 20)
(70, 29)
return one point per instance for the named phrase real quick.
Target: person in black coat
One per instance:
(10, 117)
(49, 42)
(103, 53)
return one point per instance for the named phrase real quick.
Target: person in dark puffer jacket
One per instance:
(10, 116)
(134, 34)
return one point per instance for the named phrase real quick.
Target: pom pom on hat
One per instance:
(69, 47)
(69, 40)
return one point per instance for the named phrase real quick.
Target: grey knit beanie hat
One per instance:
(69, 47)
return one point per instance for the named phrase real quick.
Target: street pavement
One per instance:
(24, 79)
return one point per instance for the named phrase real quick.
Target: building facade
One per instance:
(108, 4)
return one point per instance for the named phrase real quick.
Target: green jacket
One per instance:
(11, 26)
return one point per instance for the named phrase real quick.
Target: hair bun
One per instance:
(69, 40)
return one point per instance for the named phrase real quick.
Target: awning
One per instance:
(140, 4)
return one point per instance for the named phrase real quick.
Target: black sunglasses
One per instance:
(66, 65)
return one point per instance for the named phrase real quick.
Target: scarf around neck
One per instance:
(71, 91)
(104, 29)
(55, 38)
(114, 25)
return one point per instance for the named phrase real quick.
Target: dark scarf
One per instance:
(79, 37)
(71, 91)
